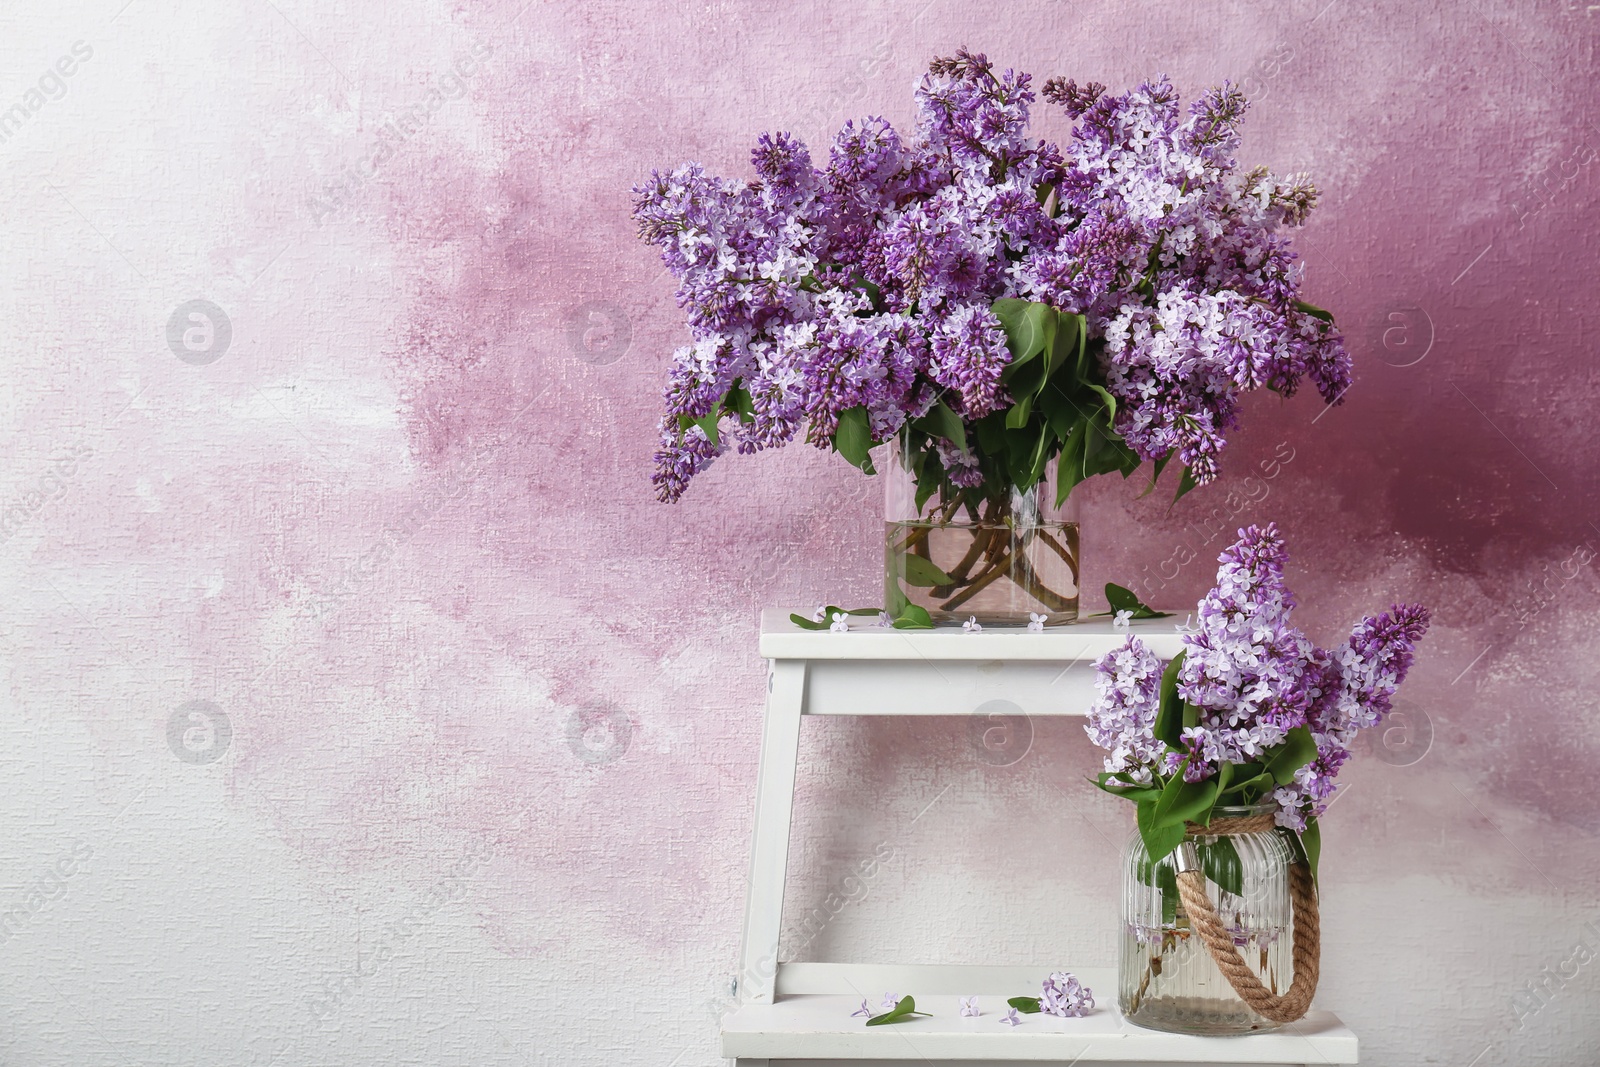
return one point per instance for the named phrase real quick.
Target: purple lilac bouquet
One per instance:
(1251, 710)
(994, 300)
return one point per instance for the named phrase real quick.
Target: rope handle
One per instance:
(1296, 1000)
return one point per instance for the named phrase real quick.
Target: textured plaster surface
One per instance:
(360, 706)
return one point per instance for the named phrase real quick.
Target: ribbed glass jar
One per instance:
(1168, 980)
(1008, 557)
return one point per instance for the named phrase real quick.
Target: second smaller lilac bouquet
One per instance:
(1250, 712)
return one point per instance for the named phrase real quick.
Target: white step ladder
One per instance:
(798, 1014)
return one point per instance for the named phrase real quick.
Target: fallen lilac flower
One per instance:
(841, 623)
(1065, 996)
(972, 626)
(1012, 1018)
(889, 1000)
(969, 1007)
(1123, 620)
(862, 1011)
(1036, 622)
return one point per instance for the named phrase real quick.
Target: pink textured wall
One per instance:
(491, 712)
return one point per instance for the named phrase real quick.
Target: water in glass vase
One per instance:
(1168, 979)
(1002, 573)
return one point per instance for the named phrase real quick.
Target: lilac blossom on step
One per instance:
(1065, 996)
(969, 1007)
(862, 1011)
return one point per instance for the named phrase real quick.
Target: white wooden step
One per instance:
(805, 1028)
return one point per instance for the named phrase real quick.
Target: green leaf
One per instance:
(991, 431)
(913, 617)
(1167, 880)
(1069, 465)
(1186, 482)
(738, 403)
(1159, 841)
(853, 438)
(1169, 716)
(1030, 328)
(1082, 366)
(1041, 454)
(1068, 346)
(1017, 417)
(1122, 598)
(1026, 1005)
(1220, 862)
(919, 570)
(1297, 750)
(866, 285)
(896, 596)
(1136, 793)
(903, 1009)
(1261, 781)
(940, 421)
(1311, 844)
(1155, 473)
(1019, 458)
(828, 612)
(1105, 450)
(1314, 311)
(1183, 801)
(1191, 716)
(708, 424)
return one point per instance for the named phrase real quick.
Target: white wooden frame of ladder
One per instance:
(875, 671)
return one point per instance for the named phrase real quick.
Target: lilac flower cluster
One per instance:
(869, 281)
(1252, 677)
(1065, 996)
(1122, 719)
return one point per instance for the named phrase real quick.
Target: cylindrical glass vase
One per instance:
(1001, 557)
(1168, 980)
